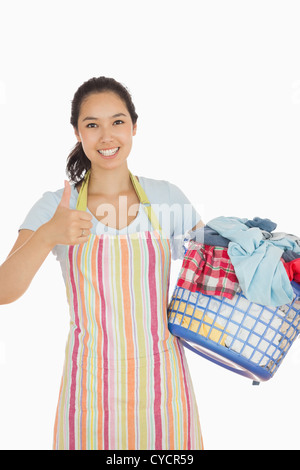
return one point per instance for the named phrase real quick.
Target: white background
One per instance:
(216, 85)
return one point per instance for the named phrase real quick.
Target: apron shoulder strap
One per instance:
(82, 196)
(145, 202)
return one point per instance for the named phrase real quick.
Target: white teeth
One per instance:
(108, 153)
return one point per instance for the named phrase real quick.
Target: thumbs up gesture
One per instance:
(67, 226)
(65, 199)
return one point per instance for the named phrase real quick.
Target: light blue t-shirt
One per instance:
(175, 214)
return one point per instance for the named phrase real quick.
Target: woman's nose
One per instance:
(106, 135)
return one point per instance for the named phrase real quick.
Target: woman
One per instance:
(125, 383)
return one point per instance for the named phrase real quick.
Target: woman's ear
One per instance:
(134, 128)
(77, 134)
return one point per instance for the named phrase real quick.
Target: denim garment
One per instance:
(208, 236)
(263, 224)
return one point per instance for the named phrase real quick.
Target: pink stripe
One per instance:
(74, 357)
(105, 348)
(154, 332)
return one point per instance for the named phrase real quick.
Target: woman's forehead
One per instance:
(102, 99)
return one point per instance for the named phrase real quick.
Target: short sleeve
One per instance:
(41, 212)
(176, 215)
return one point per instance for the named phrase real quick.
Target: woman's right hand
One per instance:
(32, 247)
(67, 225)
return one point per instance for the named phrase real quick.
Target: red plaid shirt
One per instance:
(208, 269)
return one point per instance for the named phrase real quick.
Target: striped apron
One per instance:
(125, 383)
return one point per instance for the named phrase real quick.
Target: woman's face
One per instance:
(105, 130)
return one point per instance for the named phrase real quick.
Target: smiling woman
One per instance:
(105, 135)
(125, 382)
(78, 163)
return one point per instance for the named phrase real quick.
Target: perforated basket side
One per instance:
(250, 335)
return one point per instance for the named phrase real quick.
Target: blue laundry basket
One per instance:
(246, 338)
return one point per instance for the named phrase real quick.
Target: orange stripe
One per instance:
(129, 343)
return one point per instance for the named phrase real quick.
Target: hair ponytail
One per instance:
(78, 164)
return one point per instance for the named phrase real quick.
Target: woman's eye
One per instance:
(118, 122)
(91, 125)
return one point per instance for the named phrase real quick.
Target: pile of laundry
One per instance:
(230, 252)
(241, 263)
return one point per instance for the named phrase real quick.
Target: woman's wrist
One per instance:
(43, 234)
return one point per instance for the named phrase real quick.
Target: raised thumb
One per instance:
(65, 199)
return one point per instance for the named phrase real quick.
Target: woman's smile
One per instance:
(109, 153)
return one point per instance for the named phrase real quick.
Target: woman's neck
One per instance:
(109, 182)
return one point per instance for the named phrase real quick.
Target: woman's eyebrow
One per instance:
(91, 118)
(119, 114)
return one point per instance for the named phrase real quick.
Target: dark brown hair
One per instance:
(77, 162)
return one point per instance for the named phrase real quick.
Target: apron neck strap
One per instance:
(82, 198)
